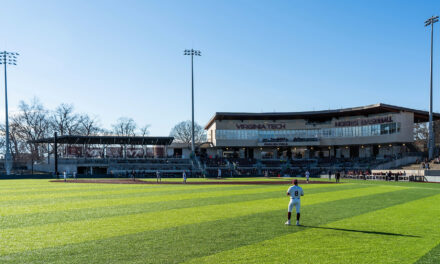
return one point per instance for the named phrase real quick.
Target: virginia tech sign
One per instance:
(261, 126)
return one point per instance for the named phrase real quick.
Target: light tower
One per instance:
(5, 59)
(192, 53)
(431, 143)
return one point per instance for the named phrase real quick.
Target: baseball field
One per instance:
(351, 222)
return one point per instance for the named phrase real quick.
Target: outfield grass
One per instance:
(353, 222)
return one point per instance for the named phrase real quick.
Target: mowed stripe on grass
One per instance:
(20, 239)
(103, 192)
(182, 243)
(165, 194)
(398, 234)
(432, 257)
(93, 197)
(22, 220)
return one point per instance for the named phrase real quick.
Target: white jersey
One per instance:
(307, 174)
(295, 192)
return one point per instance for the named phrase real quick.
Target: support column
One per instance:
(56, 154)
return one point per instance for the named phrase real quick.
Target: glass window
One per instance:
(375, 130)
(290, 134)
(384, 129)
(392, 128)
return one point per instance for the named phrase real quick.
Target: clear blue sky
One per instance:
(125, 58)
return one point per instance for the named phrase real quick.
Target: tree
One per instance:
(30, 123)
(144, 131)
(88, 125)
(421, 135)
(124, 126)
(182, 132)
(64, 120)
(421, 131)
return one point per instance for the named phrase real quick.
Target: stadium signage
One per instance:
(261, 126)
(274, 144)
(364, 122)
(290, 143)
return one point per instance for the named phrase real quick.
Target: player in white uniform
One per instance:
(184, 177)
(307, 176)
(295, 192)
(158, 177)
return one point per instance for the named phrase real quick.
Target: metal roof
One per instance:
(419, 115)
(107, 140)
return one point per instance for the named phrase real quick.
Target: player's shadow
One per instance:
(360, 231)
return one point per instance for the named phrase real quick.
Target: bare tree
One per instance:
(88, 125)
(124, 126)
(144, 131)
(30, 123)
(421, 131)
(2, 138)
(106, 132)
(421, 135)
(64, 120)
(182, 132)
(15, 143)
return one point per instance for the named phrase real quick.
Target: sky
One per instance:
(114, 59)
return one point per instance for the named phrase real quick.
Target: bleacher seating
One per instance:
(273, 163)
(230, 166)
(214, 162)
(243, 162)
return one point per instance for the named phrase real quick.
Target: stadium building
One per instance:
(249, 144)
(378, 130)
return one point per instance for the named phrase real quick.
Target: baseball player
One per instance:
(184, 177)
(219, 175)
(295, 192)
(307, 176)
(158, 177)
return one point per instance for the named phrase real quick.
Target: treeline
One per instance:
(34, 121)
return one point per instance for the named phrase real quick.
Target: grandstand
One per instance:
(353, 140)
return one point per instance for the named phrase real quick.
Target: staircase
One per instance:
(197, 165)
(415, 166)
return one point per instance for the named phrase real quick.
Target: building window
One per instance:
(290, 134)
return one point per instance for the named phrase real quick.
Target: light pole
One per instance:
(5, 59)
(430, 22)
(192, 53)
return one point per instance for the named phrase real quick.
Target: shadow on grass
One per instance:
(360, 231)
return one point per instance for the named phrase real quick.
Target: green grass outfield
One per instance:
(353, 222)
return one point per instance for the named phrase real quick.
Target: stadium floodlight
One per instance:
(431, 143)
(192, 53)
(5, 59)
